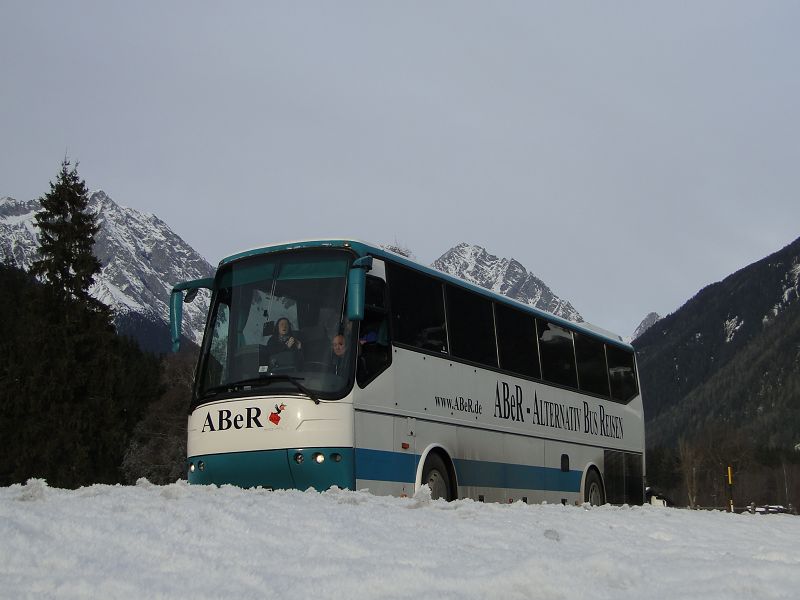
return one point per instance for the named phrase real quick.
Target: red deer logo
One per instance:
(274, 417)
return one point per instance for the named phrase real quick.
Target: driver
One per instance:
(283, 340)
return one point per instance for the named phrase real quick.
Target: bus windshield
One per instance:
(278, 325)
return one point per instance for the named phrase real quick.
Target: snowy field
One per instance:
(176, 541)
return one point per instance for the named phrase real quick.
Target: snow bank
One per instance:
(204, 542)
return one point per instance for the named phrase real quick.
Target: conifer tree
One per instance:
(67, 232)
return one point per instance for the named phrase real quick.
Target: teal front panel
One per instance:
(276, 469)
(322, 476)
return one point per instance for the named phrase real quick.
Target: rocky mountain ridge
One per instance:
(505, 276)
(141, 259)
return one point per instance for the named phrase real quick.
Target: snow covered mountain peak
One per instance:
(505, 276)
(141, 257)
(646, 324)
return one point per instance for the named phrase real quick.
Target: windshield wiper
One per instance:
(295, 381)
(262, 382)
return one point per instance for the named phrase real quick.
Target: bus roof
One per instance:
(369, 249)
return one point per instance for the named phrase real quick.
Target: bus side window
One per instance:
(470, 324)
(592, 369)
(375, 354)
(557, 354)
(516, 341)
(417, 309)
(622, 374)
(375, 293)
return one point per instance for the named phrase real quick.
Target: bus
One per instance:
(338, 363)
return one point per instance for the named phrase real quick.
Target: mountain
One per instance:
(646, 324)
(503, 276)
(729, 358)
(141, 259)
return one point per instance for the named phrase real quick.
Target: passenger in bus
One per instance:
(339, 359)
(374, 332)
(370, 337)
(338, 345)
(283, 338)
(373, 348)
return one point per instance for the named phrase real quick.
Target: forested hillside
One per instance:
(71, 389)
(756, 392)
(721, 385)
(683, 350)
(79, 403)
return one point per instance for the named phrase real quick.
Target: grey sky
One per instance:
(628, 153)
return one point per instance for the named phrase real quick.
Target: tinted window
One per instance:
(558, 355)
(417, 309)
(516, 341)
(622, 374)
(375, 293)
(470, 325)
(375, 353)
(592, 372)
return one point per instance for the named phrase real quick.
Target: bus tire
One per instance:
(593, 489)
(435, 474)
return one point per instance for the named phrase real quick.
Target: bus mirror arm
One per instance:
(356, 283)
(176, 301)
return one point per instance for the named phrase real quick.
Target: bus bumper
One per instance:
(319, 468)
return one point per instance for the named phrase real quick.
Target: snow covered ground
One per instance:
(176, 541)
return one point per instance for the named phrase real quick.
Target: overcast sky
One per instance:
(627, 153)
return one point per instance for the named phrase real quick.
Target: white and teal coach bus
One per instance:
(334, 362)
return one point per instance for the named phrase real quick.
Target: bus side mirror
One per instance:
(176, 300)
(356, 284)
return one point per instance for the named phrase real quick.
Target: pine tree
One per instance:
(67, 232)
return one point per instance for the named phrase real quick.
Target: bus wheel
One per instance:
(435, 475)
(593, 493)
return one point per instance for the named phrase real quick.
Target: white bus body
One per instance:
(425, 417)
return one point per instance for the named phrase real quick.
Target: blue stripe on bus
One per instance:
(477, 473)
(381, 465)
